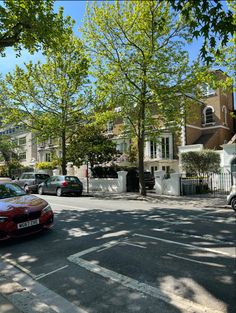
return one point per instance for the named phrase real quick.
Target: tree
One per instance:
(201, 163)
(30, 24)
(140, 65)
(90, 142)
(208, 19)
(50, 98)
(8, 154)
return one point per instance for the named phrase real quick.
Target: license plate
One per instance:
(28, 224)
(74, 185)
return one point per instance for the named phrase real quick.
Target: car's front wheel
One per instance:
(59, 192)
(40, 190)
(233, 204)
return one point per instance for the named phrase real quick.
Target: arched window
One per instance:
(224, 111)
(208, 115)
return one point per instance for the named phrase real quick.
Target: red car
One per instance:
(22, 214)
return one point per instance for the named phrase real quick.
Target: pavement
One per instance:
(20, 293)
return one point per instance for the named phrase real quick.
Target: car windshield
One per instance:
(41, 176)
(10, 190)
(72, 179)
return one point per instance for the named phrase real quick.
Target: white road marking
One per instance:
(132, 244)
(186, 245)
(195, 261)
(177, 301)
(20, 267)
(206, 236)
(69, 206)
(52, 272)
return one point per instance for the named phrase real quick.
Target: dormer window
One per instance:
(208, 116)
(207, 90)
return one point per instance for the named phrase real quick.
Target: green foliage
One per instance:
(7, 149)
(30, 24)
(201, 163)
(46, 165)
(208, 19)
(50, 98)
(91, 143)
(10, 167)
(140, 64)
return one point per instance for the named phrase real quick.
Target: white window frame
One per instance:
(205, 123)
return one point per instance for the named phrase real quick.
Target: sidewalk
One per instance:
(197, 201)
(21, 293)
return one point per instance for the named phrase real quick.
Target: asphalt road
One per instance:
(117, 256)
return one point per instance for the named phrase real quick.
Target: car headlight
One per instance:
(47, 209)
(3, 219)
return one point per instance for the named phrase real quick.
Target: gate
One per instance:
(221, 183)
(215, 183)
(193, 185)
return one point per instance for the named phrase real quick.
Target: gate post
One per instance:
(159, 175)
(122, 181)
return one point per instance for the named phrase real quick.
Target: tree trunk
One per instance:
(63, 148)
(142, 188)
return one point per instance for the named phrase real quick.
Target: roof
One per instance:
(232, 140)
(203, 139)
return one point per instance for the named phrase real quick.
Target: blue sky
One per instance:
(75, 9)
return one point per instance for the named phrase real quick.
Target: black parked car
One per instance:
(61, 185)
(30, 181)
(133, 180)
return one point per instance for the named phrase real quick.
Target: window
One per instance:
(110, 126)
(208, 115)
(224, 111)
(153, 149)
(122, 147)
(207, 90)
(165, 148)
(22, 156)
(48, 157)
(153, 169)
(167, 170)
(22, 141)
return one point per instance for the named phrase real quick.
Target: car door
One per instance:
(52, 184)
(22, 180)
(47, 185)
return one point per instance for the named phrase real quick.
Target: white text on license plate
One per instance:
(28, 224)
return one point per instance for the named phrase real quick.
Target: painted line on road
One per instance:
(195, 261)
(186, 235)
(69, 206)
(105, 246)
(132, 244)
(20, 267)
(169, 298)
(52, 272)
(186, 245)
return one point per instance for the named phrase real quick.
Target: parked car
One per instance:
(61, 185)
(231, 198)
(30, 181)
(133, 180)
(149, 180)
(22, 214)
